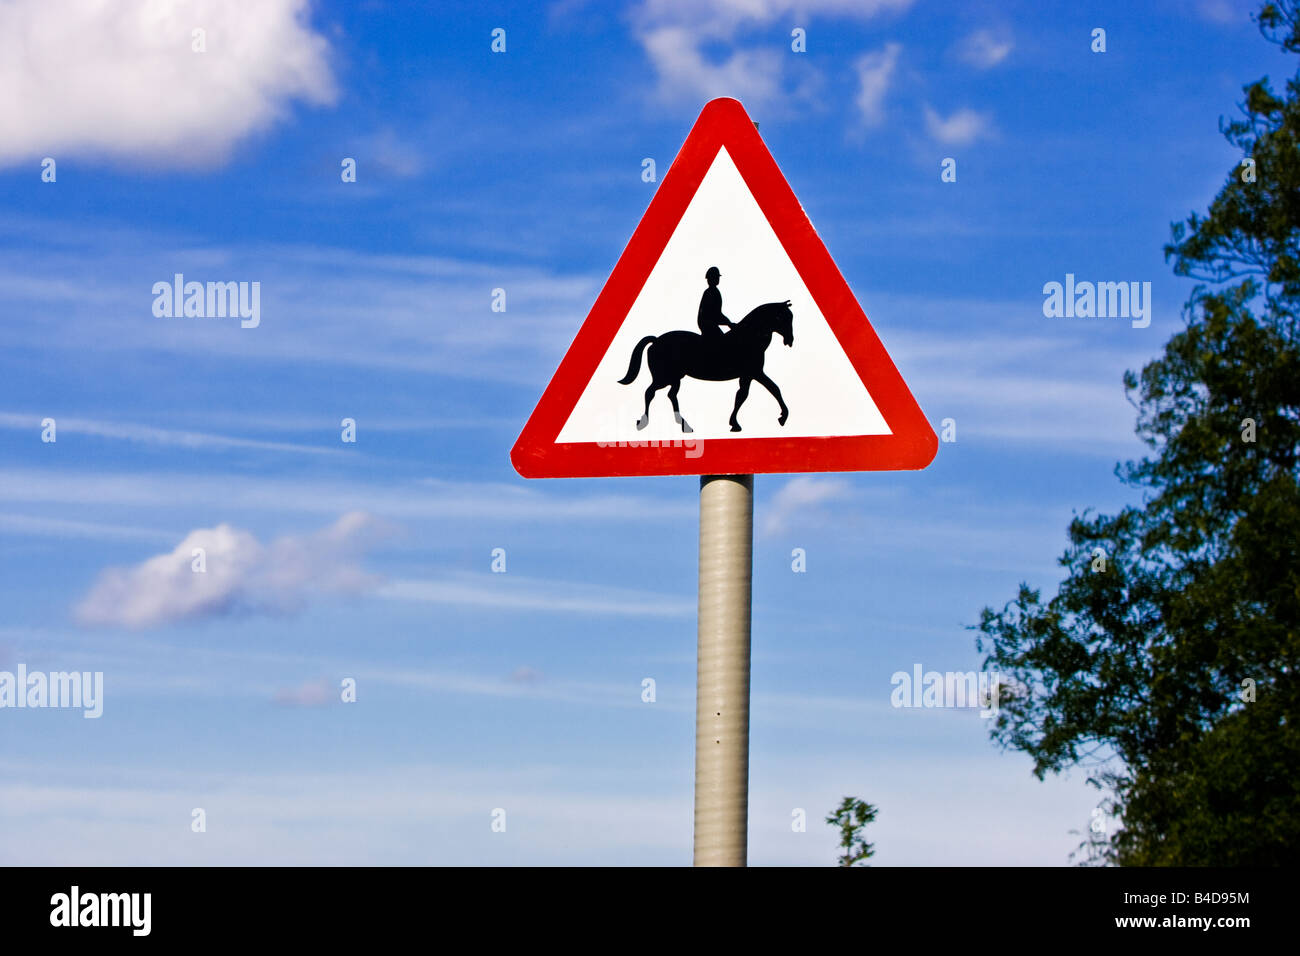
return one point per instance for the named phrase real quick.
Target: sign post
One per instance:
(722, 683)
(660, 380)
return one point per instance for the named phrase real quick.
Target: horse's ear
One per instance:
(787, 303)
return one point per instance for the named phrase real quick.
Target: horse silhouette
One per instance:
(737, 354)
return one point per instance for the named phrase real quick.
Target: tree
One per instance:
(1171, 674)
(852, 818)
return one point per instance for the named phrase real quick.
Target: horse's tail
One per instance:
(634, 368)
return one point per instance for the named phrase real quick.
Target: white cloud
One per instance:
(875, 72)
(960, 129)
(121, 79)
(984, 49)
(675, 34)
(241, 575)
(684, 71)
(800, 496)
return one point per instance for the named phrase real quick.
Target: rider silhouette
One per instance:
(710, 318)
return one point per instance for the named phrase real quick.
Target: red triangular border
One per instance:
(911, 445)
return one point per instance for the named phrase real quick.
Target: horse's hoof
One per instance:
(735, 428)
(687, 428)
(642, 423)
(781, 420)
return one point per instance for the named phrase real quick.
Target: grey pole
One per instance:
(722, 686)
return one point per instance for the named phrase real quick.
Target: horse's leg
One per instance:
(742, 393)
(649, 394)
(770, 385)
(677, 412)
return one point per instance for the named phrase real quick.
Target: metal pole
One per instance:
(722, 686)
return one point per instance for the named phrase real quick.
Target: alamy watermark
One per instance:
(65, 689)
(923, 688)
(1098, 300)
(612, 419)
(694, 447)
(130, 910)
(212, 300)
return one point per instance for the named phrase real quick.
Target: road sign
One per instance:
(725, 341)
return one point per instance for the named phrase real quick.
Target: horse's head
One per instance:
(774, 317)
(783, 321)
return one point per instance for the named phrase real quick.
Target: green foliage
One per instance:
(1250, 230)
(1136, 672)
(852, 818)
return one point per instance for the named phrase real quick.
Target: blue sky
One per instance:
(522, 170)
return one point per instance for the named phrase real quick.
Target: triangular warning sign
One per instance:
(725, 341)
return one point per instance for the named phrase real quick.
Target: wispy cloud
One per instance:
(426, 314)
(681, 38)
(68, 528)
(392, 154)
(122, 80)
(960, 128)
(509, 592)
(799, 497)
(565, 815)
(425, 498)
(573, 812)
(685, 73)
(148, 667)
(875, 73)
(1010, 385)
(220, 571)
(1223, 11)
(312, 693)
(149, 434)
(984, 49)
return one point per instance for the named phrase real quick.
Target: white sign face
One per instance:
(722, 228)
